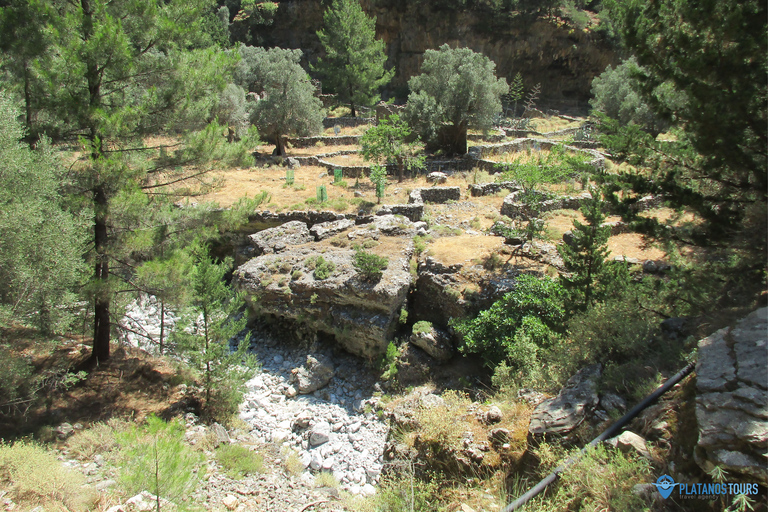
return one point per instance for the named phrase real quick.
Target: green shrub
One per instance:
(99, 438)
(422, 327)
(403, 492)
(603, 478)
(35, 477)
(369, 265)
(15, 375)
(322, 268)
(155, 458)
(516, 327)
(238, 461)
(389, 361)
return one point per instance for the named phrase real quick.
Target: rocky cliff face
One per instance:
(317, 285)
(547, 51)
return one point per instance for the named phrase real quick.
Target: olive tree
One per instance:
(287, 104)
(456, 90)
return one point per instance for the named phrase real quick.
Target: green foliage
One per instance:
(718, 165)
(403, 492)
(388, 363)
(422, 327)
(552, 166)
(353, 66)
(213, 319)
(616, 93)
(238, 461)
(288, 105)
(515, 93)
(42, 243)
(390, 141)
(456, 90)
(378, 177)
(601, 480)
(15, 374)
(154, 457)
(323, 269)
(34, 477)
(369, 265)
(516, 327)
(584, 258)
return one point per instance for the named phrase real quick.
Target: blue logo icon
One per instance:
(665, 485)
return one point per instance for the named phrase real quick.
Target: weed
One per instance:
(326, 479)
(389, 361)
(313, 298)
(403, 319)
(297, 274)
(422, 327)
(238, 461)
(322, 268)
(100, 438)
(369, 265)
(293, 463)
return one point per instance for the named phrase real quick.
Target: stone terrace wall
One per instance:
(331, 140)
(434, 195)
(348, 122)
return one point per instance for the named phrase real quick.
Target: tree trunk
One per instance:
(352, 108)
(400, 170)
(280, 145)
(453, 139)
(101, 275)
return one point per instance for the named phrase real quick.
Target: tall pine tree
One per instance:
(353, 67)
(584, 257)
(119, 70)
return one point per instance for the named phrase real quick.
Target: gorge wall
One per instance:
(547, 51)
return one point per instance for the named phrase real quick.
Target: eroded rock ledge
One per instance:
(317, 284)
(732, 398)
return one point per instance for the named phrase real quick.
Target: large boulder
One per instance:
(435, 343)
(315, 374)
(565, 412)
(277, 239)
(732, 399)
(317, 286)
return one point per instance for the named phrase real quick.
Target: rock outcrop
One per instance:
(565, 412)
(732, 399)
(317, 285)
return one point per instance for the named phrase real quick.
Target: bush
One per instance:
(604, 478)
(36, 477)
(155, 458)
(422, 327)
(322, 269)
(516, 327)
(100, 438)
(238, 461)
(388, 363)
(369, 265)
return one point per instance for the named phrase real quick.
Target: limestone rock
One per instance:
(64, 431)
(437, 177)
(493, 415)
(230, 502)
(222, 437)
(292, 163)
(320, 434)
(560, 415)
(361, 315)
(629, 442)
(328, 229)
(314, 375)
(435, 343)
(732, 398)
(277, 239)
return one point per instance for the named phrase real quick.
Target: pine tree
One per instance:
(584, 257)
(213, 319)
(41, 243)
(119, 70)
(353, 67)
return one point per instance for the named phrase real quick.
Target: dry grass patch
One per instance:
(634, 245)
(463, 248)
(553, 124)
(347, 160)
